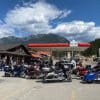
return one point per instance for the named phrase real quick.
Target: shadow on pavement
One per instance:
(83, 82)
(47, 82)
(95, 82)
(77, 78)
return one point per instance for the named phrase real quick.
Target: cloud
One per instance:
(74, 27)
(78, 30)
(37, 28)
(36, 17)
(95, 32)
(65, 13)
(5, 30)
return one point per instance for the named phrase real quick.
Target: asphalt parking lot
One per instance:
(28, 89)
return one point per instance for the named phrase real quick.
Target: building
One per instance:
(14, 52)
(68, 49)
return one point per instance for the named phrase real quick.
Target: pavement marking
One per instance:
(73, 95)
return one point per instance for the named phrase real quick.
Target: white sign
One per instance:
(73, 43)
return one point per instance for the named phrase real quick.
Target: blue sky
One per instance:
(73, 19)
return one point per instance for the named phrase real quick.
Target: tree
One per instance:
(93, 49)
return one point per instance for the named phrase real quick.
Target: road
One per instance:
(27, 89)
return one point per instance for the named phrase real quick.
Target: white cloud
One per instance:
(35, 17)
(79, 30)
(6, 31)
(74, 27)
(95, 32)
(65, 13)
(37, 28)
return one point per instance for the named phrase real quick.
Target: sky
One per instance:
(74, 19)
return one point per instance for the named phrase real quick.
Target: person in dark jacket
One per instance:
(61, 66)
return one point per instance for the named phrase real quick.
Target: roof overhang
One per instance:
(59, 46)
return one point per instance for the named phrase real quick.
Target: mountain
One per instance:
(40, 38)
(93, 49)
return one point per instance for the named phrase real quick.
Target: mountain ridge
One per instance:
(40, 38)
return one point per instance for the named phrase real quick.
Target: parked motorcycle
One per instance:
(19, 71)
(92, 75)
(32, 72)
(54, 76)
(8, 71)
(58, 74)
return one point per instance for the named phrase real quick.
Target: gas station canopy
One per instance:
(60, 46)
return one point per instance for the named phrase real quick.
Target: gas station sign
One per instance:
(73, 43)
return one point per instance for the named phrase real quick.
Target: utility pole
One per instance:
(99, 52)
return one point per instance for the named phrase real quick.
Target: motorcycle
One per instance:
(8, 71)
(19, 71)
(32, 72)
(58, 75)
(92, 75)
(54, 76)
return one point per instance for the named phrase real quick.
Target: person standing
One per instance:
(73, 62)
